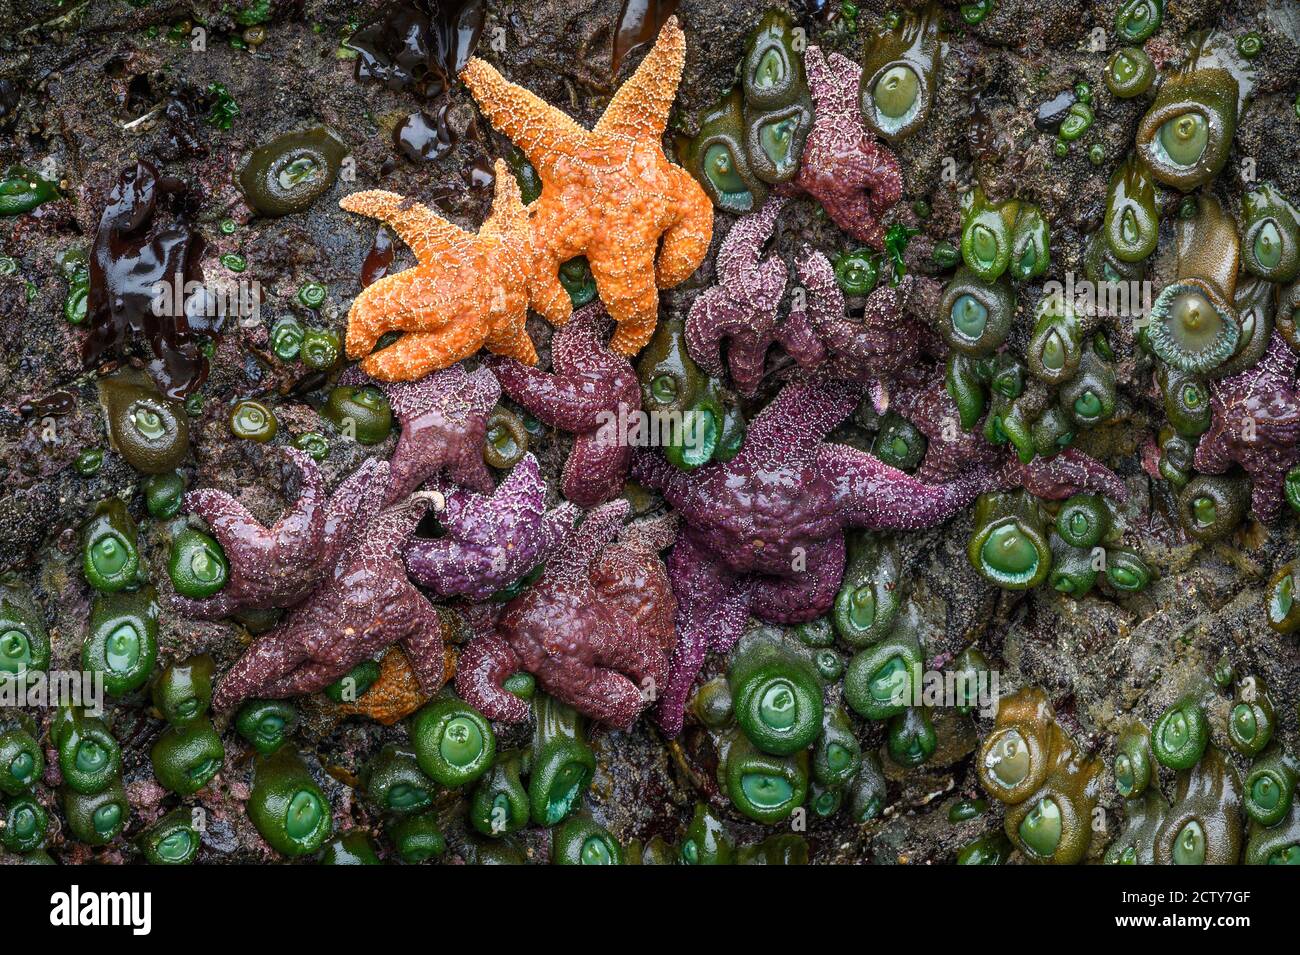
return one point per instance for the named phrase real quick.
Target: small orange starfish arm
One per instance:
(427, 233)
(544, 133)
(687, 240)
(640, 107)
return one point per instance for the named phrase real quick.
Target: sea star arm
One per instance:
(484, 666)
(532, 124)
(582, 544)
(640, 107)
(804, 596)
(271, 657)
(713, 317)
(428, 234)
(685, 243)
(416, 354)
(423, 644)
(1068, 473)
(879, 497)
(560, 401)
(509, 216)
(712, 607)
(792, 426)
(624, 269)
(608, 692)
(399, 302)
(655, 471)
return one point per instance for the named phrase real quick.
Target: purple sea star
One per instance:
(590, 388)
(444, 426)
(887, 342)
(854, 177)
(281, 565)
(365, 606)
(1256, 424)
(950, 451)
(743, 307)
(491, 540)
(596, 630)
(765, 531)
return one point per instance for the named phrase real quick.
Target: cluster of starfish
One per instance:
(606, 626)
(742, 312)
(335, 561)
(764, 532)
(608, 193)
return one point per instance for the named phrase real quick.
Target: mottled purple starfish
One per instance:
(590, 389)
(365, 606)
(491, 540)
(855, 178)
(1256, 424)
(279, 566)
(743, 308)
(765, 531)
(951, 452)
(887, 342)
(596, 630)
(444, 426)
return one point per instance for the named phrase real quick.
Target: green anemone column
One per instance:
(1009, 546)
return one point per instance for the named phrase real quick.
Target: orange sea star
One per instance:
(468, 291)
(608, 193)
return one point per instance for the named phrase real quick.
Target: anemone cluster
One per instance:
(494, 552)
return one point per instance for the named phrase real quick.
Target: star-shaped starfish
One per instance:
(366, 606)
(467, 292)
(444, 426)
(1256, 424)
(743, 308)
(608, 193)
(765, 531)
(590, 387)
(886, 343)
(596, 630)
(279, 566)
(855, 178)
(491, 540)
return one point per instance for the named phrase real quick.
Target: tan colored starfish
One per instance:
(608, 193)
(468, 291)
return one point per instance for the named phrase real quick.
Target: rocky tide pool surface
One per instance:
(696, 433)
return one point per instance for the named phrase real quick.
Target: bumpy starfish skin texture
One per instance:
(608, 193)
(444, 426)
(765, 531)
(589, 386)
(855, 178)
(467, 292)
(491, 540)
(397, 693)
(743, 308)
(887, 341)
(1256, 424)
(279, 566)
(596, 629)
(950, 451)
(366, 606)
